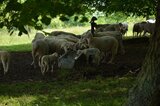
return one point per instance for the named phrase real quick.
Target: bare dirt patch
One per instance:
(21, 70)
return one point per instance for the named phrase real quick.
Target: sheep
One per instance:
(59, 45)
(125, 28)
(48, 61)
(94, 52)
(148, 27)
(39, 48)
(137, 27)
(116, 34)
(38, 36)
(104, 44)
(112, 27)
(5, 60)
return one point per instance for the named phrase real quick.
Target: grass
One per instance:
(95, 92)
(23, 43)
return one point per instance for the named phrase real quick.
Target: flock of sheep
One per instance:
(62, 49)
(145, 27)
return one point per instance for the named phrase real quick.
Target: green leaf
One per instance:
(64, 18)
(75, 18)
(46, 20)
(84, 19)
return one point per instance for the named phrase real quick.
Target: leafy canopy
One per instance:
(17, 14)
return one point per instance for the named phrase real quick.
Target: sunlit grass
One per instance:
(96, 92)
(23, 43)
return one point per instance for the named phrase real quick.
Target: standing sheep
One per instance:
(148, 27)
(48, 61)
(138, 28)
(104, 44)
(5, 59)
(39, 48)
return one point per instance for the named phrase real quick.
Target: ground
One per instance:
(131, 61)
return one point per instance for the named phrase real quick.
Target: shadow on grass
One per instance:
(97, 92)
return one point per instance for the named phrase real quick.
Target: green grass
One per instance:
(96, 92)
(23, 43)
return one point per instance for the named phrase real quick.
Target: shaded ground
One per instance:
(21, 70)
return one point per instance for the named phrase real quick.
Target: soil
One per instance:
(21, 70)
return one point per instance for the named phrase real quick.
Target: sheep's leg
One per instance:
(42, 68)
(47, 67)
(7, 66)
(52, 68)
(34, 59)
(4, 66)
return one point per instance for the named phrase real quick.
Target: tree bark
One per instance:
(146, 91)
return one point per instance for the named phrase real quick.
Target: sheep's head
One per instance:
(79, 53)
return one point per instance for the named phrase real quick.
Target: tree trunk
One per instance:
(146, 91)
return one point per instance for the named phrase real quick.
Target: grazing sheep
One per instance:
(93, 52)
(48, 61)
(60, 46)
(39, 48)
(104, 44)
(5, 59)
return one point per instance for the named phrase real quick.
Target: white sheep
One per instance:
(116, 34)
(5, 59)
(38, 35)
(60, 46)
(104, 44)
(39, 48)
(48, 61)
(93, 52)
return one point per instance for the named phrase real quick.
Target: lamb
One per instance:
(5, 59)
(48, 61)
(94, 52)
(104, 44)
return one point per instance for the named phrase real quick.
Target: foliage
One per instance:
(17, 14)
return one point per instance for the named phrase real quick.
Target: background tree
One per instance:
(18, 14)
